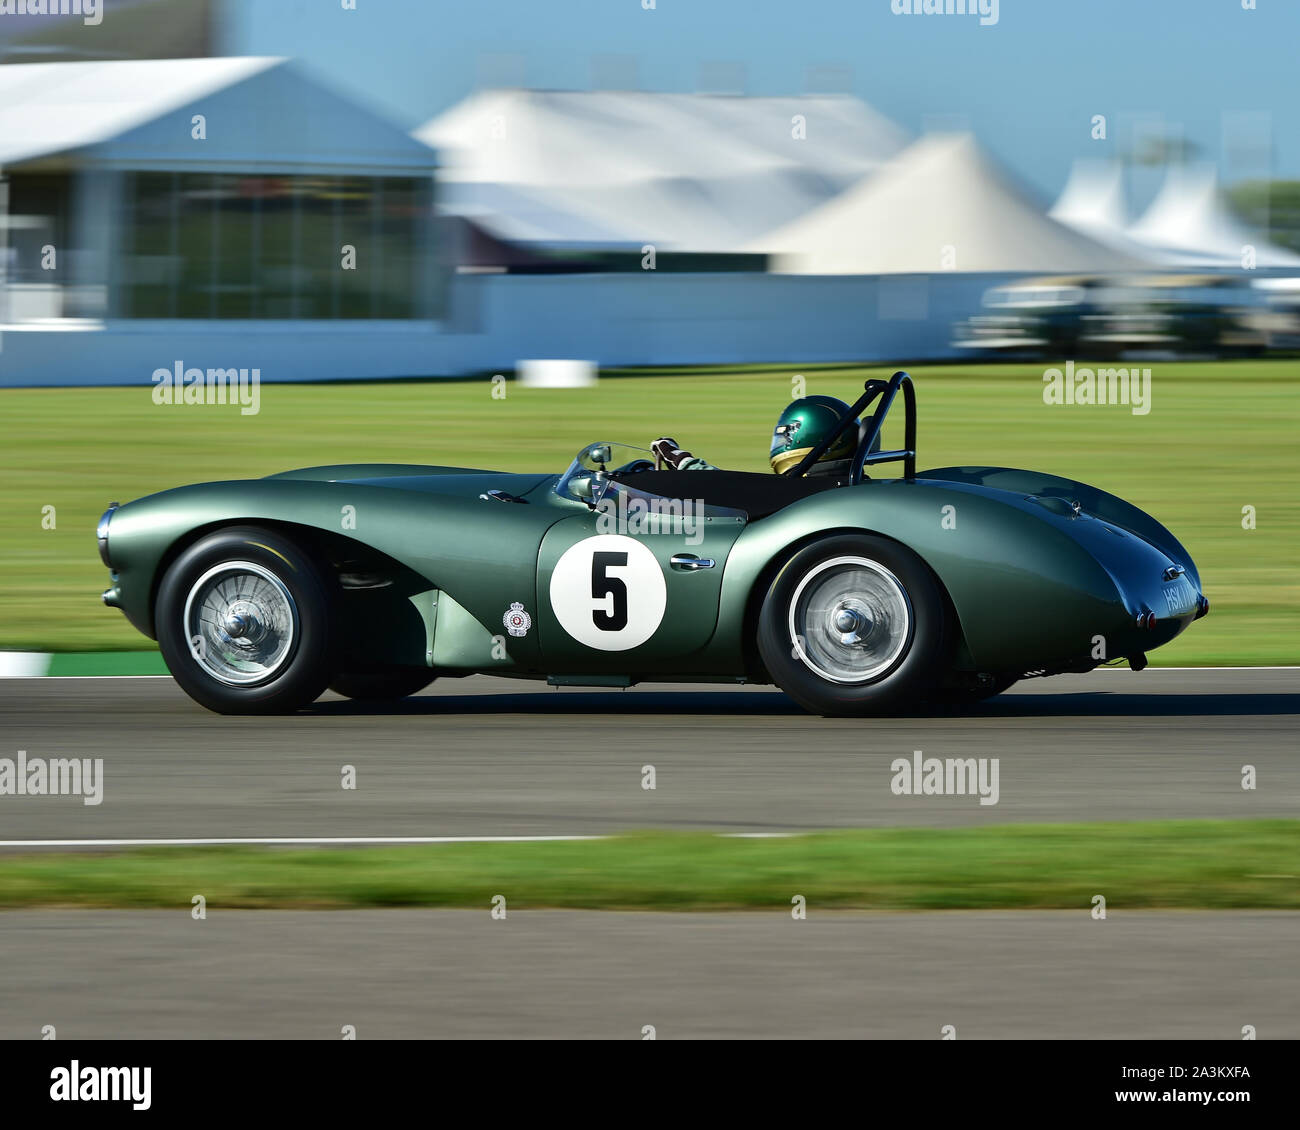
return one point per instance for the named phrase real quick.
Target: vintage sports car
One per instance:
(854, 595)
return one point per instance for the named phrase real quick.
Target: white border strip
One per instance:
(8, 671)
(308, 840)
(24, 664)
(271, 841)
(1153, 667)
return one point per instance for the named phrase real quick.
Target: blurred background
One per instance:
(722, 205)
(840, 184)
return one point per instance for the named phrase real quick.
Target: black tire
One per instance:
(899, 669)
(285, 598)
(381, 685)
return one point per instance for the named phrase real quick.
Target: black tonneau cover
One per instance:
(758, 495)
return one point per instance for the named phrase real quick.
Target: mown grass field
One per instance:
(1194, 865)
(1220, 436)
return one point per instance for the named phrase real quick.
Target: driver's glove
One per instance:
(669, 454)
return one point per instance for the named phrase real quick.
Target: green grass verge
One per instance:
(1171, 864)
(86, 663)
(1220, 436)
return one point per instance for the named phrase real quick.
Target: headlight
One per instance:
(101, 533)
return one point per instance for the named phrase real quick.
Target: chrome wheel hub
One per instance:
(241, 623)
(853, 623)
(850, 619)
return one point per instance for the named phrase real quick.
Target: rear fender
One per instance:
(484, 554)
(1023, 590)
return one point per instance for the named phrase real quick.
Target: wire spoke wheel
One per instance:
(850, 619)
(853, 625)
(241, 623)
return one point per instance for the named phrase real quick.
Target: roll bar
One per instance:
(869, 429)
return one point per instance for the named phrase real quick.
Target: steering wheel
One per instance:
(635, 465)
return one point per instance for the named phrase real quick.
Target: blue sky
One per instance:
(1028, 85)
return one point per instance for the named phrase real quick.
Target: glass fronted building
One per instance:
(208, 190)
(290, 247)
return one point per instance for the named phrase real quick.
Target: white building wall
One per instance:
(497, 320)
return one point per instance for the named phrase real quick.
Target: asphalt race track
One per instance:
(490, 757)
(605, 975)
(493, 757)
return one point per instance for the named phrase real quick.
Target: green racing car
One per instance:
(855, 595)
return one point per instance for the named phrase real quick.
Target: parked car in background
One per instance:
(1095, 316)
(1035, 317)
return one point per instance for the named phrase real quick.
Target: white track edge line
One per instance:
(314, 840)
(273, 840)
(732, 686)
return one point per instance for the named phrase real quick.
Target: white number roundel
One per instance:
(608, 592)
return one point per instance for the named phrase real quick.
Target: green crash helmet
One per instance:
(803, 425)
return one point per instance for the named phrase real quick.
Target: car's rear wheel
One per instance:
(382, 685)
(854, 625)
(243, 623)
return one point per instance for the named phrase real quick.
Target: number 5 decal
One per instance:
(608, 592)
(602, 585)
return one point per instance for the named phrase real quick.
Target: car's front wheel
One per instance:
(243, 623)
(854, 625)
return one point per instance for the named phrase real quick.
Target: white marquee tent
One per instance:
(1189, 223)
(1093, 200)
(523, 216)
(943, 204)
(691, 172)
(1094, 203)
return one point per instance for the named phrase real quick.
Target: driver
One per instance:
(800, 428)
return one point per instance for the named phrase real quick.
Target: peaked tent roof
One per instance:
(1093, 203)
(1093, 199)
(1190, 223)
(942, 191)
(694, 171)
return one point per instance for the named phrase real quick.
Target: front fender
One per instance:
(1094, 501)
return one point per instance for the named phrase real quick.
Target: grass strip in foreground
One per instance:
(1168, 864)
(107, 663)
